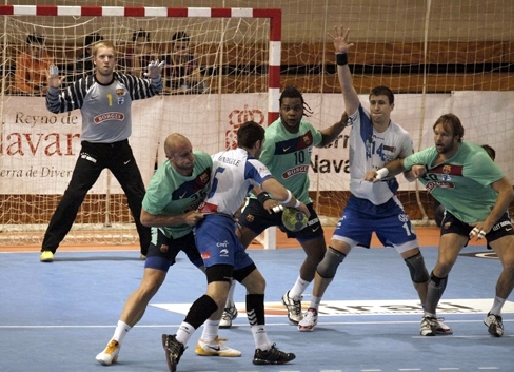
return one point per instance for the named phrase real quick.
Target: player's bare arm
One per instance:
(161, 220)
(342, 47)
(391, 169)
(329, 135)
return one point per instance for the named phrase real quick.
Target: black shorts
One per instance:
(257, 219)
(162, 254)
(452, 225)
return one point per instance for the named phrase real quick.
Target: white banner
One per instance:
(39, 149)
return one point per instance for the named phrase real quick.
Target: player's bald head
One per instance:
(175, 142)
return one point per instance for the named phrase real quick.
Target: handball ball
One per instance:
(294, 220)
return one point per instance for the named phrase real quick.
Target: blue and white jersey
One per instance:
(370, 150)
(235, 173)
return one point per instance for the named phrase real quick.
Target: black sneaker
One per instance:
(173, 350)
(272, 356)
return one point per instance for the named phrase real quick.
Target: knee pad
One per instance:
(328, 266)
(201, 310)
(417, 268)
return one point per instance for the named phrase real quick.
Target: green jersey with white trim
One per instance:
(288, 156)
(463, 182)
(170, 193)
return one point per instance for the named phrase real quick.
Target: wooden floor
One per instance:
(427, 236)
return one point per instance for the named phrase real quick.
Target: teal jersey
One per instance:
(170, 193)
(288, 156)
(463, 182)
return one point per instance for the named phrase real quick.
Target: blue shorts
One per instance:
(161, 254)
(361, 218)
(218, 244)
(257, 219)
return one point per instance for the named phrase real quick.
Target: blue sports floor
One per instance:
(58, 316)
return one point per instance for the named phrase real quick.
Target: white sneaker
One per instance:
(442, 328)
(215, 348)
(110, 353)
(495, 324)
(294, 308)
(229, 314)
(428, 326)
(308, 321)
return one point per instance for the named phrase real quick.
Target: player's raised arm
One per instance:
(342, 47)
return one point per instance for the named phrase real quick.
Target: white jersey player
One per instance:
(235, 174)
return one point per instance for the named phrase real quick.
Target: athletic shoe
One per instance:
(428, 326)
(442, 328)
(308, 321)
(294, 308)
(229, 314)
(173, 350)
(271, 356)
(110, 353)
(215, 348)
(46, 256)
(495, 324)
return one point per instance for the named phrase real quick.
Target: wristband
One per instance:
(289, 197)
(381, 173)
(297, 204)
(263, 196)
(342, 59)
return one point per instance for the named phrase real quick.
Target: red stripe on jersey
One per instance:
(451, 169)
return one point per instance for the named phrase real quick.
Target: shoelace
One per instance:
(111, 347)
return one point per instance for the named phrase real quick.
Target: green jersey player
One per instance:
(476, 195)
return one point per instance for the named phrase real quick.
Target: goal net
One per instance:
(214, 58)
(436, 56)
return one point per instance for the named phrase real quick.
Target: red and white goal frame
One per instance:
(271, 16)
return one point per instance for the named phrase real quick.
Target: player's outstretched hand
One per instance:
(52, 79)
(340, 39)
(154, 69)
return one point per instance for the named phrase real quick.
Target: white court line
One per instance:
(320, 324)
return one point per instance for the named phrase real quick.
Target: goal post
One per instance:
(236, 54)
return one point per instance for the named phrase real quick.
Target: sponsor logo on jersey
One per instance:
(389, 148)
(206, 255)
(164, 248)
(250, 218)
(293, 172)
(439, 184)
(109, 116)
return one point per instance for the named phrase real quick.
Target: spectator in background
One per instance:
(32, 66)
(85, 64)
(138, 57)
(181, 73)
